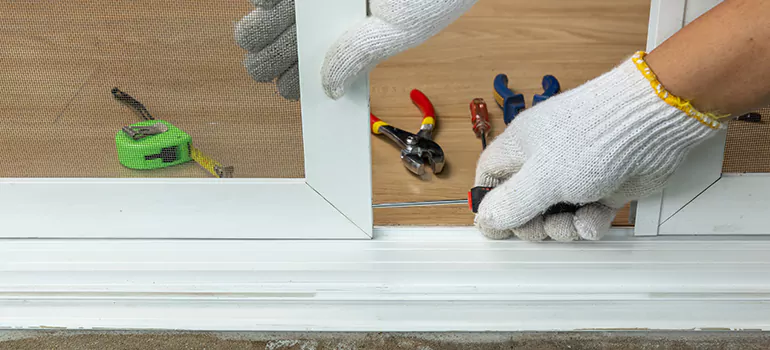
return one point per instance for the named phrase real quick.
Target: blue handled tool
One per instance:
(551, 87)
(511, 103)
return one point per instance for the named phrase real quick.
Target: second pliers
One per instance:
(416, 149)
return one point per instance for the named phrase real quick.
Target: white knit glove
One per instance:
(612, 140)
(269, 35)
(394, 26)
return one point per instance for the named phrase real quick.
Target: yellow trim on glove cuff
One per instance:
(708, 119)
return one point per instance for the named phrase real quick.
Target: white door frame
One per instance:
(405, 279)
(332, 201)
(700, 200)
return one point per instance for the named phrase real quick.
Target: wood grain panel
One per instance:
(447, 215)
(60, 60)
(575, 41)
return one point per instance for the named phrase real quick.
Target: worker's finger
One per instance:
(266, 3)
(533, 231)
(502, 158)
(263, 25)
(561, 227)
(288, 83)
(395, 26)
(594, 220)
(493, 233)
(358, 51)
(526, 195)
(275, 59)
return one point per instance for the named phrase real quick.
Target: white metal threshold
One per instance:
(406, 279)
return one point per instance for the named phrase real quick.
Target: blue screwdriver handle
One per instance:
(551, 87)
(511, 103)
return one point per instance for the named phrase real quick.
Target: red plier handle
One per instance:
(426, 107)
(376, 123)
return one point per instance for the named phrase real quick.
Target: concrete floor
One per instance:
(23, 340)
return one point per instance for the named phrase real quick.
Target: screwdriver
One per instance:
(480, 120)
(750, 117)
(481, 126)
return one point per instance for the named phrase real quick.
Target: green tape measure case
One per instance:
(147, 145)
(155, 144)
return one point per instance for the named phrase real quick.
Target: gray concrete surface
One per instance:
(55, 340)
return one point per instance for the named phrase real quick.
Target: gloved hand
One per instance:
(614, 139)
(269, 36)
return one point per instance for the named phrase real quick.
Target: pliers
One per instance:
(513, 103)
(416, 149)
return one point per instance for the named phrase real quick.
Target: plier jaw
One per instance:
(424, 152)
(418, 149)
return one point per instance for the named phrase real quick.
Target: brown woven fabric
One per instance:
(748, 146)
(61, 59)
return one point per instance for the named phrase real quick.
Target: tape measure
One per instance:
(208, 163)
(155, 144)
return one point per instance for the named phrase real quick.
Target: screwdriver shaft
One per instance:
(420, 204)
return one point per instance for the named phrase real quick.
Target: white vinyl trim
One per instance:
(666, 18)
(735, 205)
(338, 162)
(406, 279)
(333, 201)
(695, 8)
(168, 208)
(703, 166)
(699, 199)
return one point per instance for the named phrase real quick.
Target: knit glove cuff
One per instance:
(709, 119)
(614, 139)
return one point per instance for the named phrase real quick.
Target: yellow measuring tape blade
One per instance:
(208, 163)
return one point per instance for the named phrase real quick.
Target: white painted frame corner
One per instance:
(700, 200)
(333, 201)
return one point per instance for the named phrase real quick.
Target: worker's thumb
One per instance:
(394, 26)
(526, 195)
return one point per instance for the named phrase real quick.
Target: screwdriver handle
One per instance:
(477, 194)
(750, 117)
(426, 107)
(480, 117)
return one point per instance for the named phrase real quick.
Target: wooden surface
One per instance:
(573, 40)
(60, 60)
(448, 215)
